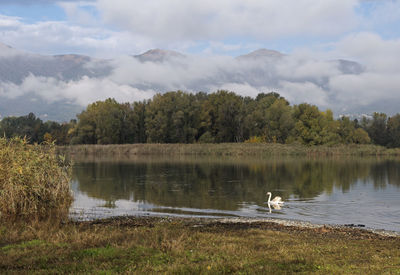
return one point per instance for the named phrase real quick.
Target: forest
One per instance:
(223, 116)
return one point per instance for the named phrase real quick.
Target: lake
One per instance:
(360, 191)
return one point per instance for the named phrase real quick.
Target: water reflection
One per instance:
(231, 186)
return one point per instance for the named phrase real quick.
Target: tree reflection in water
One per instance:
(224, 184)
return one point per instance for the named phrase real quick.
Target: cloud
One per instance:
(81, 92)
(323, 83)
(61, 37)
(36, 2)
(301, 68)
(377, 54)
(111, 28)
(80, 12)
(301, 77)
(366, 89)
(205, 19)
(297, 79)
(9, 22)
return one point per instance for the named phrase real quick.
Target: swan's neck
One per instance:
(269, 198)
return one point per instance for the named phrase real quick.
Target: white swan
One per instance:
(274, 206)
(276, 201)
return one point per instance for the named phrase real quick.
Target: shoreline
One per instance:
(251, 222)
(150, 245)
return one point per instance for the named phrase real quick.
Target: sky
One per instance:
(365, 31)
(229, 27)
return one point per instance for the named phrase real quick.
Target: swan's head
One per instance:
(269, 193)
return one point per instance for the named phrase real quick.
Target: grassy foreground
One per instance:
(153, 245)
(226, 149)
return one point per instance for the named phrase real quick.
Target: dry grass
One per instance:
(34, 182)
(146, 246)
(225, 149)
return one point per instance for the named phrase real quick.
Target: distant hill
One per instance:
(158, 55)
(258, 69)
(261, 53)
(15, 65)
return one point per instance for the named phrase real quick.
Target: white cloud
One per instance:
(299, 92)
(301, 68)
(207, 19)
(77, 13)
(82, 92)
(190, 73)
(36, 2)
(224, 26)
(366, 89)
(295, 77)
(55, 37)
(9, 22)
(377, 54)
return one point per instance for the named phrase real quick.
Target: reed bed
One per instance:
(225, 149)
(34, 182)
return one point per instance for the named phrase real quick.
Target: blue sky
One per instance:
(108, 28)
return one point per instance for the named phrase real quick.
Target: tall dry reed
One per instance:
(34, 182)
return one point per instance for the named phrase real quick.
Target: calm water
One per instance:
(333, 191)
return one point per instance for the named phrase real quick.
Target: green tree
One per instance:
(104, 122)
(308, 124)
(350, 132)
(279, 121)
(138, 122)
(360, 136)
(393, 130)
(172, 118)
(377, 129)
(256, 120)
(223, 117)
(24, 126)
(346, 129)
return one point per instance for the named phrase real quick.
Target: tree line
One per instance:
(223, 116)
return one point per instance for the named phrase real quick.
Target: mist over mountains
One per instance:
(58, 87)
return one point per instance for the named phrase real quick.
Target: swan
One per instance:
(274, 206)
(276, 201)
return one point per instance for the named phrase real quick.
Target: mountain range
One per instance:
(57, 87)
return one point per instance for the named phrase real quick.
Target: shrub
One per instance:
(256, 139)
(206, 138)
(34, 181)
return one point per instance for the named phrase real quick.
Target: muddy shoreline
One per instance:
(232, 224)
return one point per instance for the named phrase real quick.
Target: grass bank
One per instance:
(226, 149)
(187, 246)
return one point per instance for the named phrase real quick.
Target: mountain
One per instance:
(15, 65)
(158, 55)
(349, 67)
(57, 87)
(261, 53)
